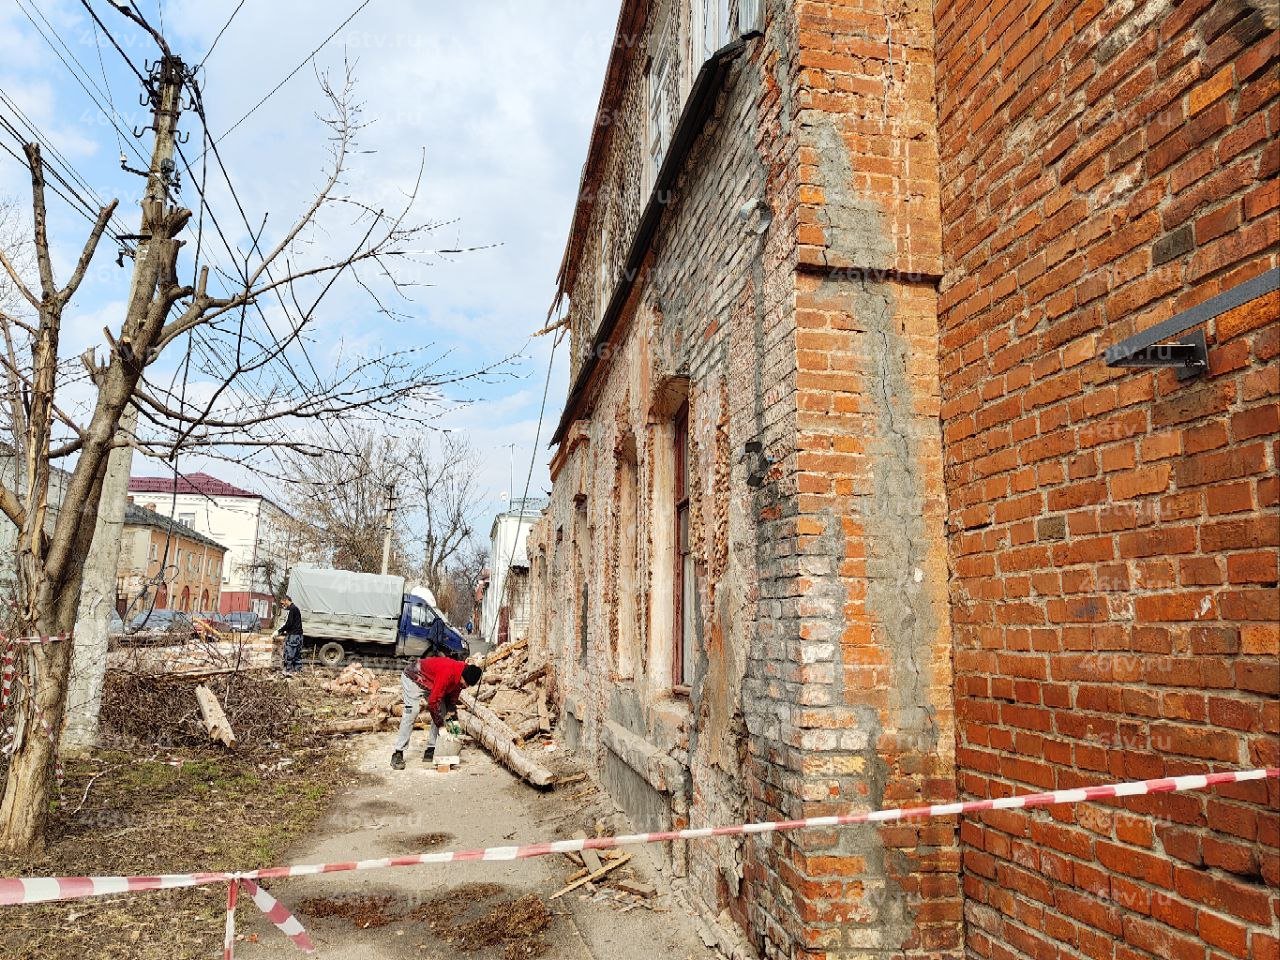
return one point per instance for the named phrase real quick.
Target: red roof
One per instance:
(201, 483)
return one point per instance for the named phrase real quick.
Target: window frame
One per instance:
(658, 122)
(683, 635)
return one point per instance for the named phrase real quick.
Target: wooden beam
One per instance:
(596, 875)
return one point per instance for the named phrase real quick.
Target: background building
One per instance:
(504, 610)
(252, 528)
(166, 565)
(851, 507)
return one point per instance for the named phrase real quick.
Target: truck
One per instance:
(369, 614)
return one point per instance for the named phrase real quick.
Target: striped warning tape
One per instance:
(8, 671)
(27, 890)
(272, 908)
(36, 639)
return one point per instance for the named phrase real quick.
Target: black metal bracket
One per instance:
(1189, 355)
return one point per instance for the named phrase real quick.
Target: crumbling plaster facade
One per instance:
(786, 299)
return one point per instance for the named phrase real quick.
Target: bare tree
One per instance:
(339, 500)
(253, 373)
(456, 593)
(442, 478)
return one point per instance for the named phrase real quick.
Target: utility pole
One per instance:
(98, 595)
(388, 524)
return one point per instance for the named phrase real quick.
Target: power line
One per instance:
(93, 13)
(111, 114)
(533, 458)
(209, 52)
(290, 75)
(97, 45)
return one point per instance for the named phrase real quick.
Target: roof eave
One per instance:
(698, 106)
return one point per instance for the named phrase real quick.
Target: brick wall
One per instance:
(1112, 533)
(865, 687)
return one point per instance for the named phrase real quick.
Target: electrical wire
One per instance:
(290, 75)
(533, 458)
(114, 43)
(209, 52)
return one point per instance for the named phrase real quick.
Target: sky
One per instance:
(494, 101)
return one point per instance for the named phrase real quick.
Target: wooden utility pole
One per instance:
(389, 524)
(97, 594)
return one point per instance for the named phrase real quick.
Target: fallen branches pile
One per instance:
(162, 709)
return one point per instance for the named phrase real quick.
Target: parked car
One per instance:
(242, 621)
(159, 620)
(115, 626)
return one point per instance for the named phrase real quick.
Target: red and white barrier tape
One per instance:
(8, 671)
(26, 890)
(271, 908)
(36, 639)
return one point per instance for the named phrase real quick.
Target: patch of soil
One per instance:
(461, 899)
(366, 913)
(425, 841)
(380, 808)
(514, 926)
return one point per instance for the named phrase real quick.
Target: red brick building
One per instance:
(851, 507)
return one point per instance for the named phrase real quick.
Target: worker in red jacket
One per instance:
(441, 680)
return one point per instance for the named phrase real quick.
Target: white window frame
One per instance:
(659, 109)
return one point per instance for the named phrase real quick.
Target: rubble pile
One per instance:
(369, 698)
(516, 691)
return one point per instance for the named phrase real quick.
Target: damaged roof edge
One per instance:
(698, 107)
(630, 22)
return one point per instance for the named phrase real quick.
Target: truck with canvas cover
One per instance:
(370, 614)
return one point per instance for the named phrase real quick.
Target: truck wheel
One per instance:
(331, 654)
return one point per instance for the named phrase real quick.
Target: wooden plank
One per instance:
(590, 858)
(590, 877)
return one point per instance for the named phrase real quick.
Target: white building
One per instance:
(251, 527)
(504, 613)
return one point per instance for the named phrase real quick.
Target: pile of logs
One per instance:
(516, 691)
(506, 712)
(508, 709)
(354, 680)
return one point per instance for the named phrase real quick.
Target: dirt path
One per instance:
(477, 911)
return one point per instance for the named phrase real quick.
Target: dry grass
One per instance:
(182, 806)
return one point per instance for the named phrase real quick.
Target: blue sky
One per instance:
(500, 96)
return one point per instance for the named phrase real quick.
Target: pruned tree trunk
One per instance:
(25, 804)
(499, 739)
(97, 600)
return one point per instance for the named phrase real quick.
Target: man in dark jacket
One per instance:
(291, 629)
(441, 680)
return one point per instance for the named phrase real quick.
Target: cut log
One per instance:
(505, 651)
(595, 875)
(499, 739)
(215, 719)
(364, 725)
(526, 728)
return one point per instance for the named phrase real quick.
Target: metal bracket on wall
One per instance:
(1189, 354)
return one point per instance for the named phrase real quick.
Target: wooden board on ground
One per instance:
(590, 877)
(590, 858)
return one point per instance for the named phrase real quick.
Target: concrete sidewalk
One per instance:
(386, 812)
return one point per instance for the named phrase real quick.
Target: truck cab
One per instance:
(423, 632)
